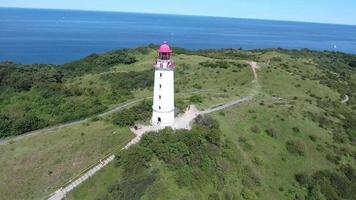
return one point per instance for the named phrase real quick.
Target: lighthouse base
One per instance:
(162, 118)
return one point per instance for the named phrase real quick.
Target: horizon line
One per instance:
(213, 16)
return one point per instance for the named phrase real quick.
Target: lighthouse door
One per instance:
(159, 120)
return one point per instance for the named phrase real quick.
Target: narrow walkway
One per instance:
(61, 193)
(182, 122)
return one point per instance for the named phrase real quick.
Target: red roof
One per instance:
(164, 48)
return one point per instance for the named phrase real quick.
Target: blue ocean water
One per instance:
(58, 36)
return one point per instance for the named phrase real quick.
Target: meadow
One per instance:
(47, 160)
(294, 140)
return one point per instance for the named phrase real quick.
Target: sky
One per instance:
(323, 11)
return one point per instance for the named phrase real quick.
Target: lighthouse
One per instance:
(163, 92)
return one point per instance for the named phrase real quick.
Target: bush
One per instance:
(353, 64)
(196, 99)
(128, 117)
(27, 123)
(248, 194)
(271, 132)
(133, 186)
(295, 147)
(214, 196)
(302, 179)
(135, 159)
(216, 64)
(191, 155)
(296, 130)
(255, 129)
(330, 185)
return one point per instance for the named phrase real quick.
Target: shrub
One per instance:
(128, 117)
(135, 159)
(271, 132)
(133, 186)
(255, 129)
(216, 64)
(329, 185)
(196, 99)
(312, 138)
(296, 130)
(248, 194)
(214, 196)
(333, 158)
(250, 178)
(295, 147)
(353, 63)
(302, 179)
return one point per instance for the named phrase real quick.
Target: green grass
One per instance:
(288, 109)
(33, 167)
(283, 104)
(100, 183)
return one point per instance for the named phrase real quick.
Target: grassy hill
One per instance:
(294, 140)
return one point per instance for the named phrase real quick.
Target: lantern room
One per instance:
(164, 52)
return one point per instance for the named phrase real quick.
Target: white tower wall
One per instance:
(163, 94)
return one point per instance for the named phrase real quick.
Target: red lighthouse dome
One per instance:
(164, 48)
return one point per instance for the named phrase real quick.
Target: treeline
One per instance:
(95, 63)
(38, 95)
(223, 64)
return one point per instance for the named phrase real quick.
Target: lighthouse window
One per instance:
(160, 86)
(159, 107)
(160, 75)
(159, 97)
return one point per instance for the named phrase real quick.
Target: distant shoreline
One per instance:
(184, 49)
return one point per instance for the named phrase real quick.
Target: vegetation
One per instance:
(329, 185)
(294, 140)
(36, 96)
(128, 117)
(195, 157)
(33, 167)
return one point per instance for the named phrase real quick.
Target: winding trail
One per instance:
(182, 122)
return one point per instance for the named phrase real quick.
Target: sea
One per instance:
(58, 36)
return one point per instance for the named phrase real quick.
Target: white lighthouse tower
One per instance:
(163, 93)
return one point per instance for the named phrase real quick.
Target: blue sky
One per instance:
(325, 11)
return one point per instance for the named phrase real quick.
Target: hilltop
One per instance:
(294, 140)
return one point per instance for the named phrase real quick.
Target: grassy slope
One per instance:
(57, 151)
(35, 166)
(32, 167)
(282, 104)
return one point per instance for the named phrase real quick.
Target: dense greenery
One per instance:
(222, 64)
(329, 185)
(129, 116)
(36, 96)
(95, 63)
(197, 158)
(294, 140)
